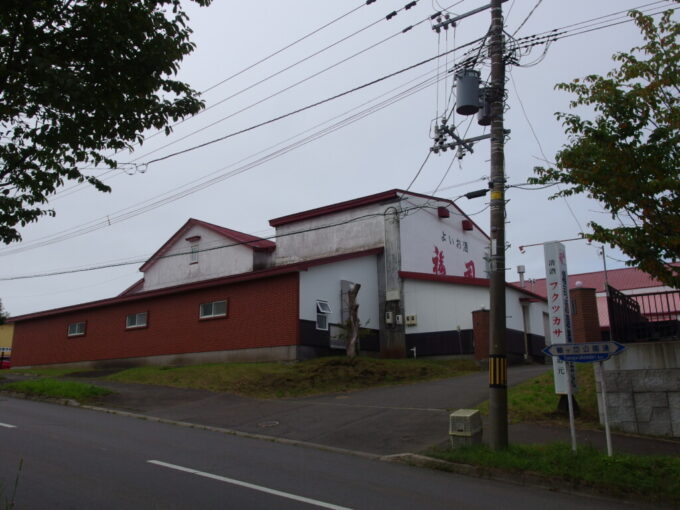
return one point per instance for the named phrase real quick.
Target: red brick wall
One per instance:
(584, 319)
(261, 313)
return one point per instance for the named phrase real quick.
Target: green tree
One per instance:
(3, 313)
(627, 156)
(80, 80)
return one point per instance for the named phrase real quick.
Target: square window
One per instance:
(76, 329)
(322, 321)
(135, 320)
(212, 309)
(323, 307)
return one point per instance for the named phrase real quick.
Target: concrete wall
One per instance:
(643, 389)
(358, 235)
(176, 270)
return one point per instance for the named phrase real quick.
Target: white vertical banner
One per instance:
(559, 310)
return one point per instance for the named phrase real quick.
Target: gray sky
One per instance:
(378, 152)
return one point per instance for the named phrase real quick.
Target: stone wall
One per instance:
(643, 389)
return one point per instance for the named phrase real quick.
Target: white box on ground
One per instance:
(465, 427)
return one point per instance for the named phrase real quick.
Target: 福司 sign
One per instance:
(559, 311)
(584, 353)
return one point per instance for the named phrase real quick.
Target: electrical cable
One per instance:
(527, 18)
(220, 247)
(540, 148)
(182, 191)
(302, 109)
(308, 57)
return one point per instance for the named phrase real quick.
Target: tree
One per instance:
(80, 80)
(3, 313)
(353, 323)
(627, 157)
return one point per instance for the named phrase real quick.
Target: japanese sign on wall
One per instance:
(557, 287)
(440, 246)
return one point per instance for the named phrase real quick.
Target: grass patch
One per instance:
(46, 372)
(535, 400)
(275, 380)
(58, 389)
(654, 478)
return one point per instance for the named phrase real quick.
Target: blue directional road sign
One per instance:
(584, 352)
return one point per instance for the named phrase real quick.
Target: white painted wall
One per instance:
(351, 237)
(424, 235)
(442, 306)
(324, 282)
(176, 270)
(513, 311)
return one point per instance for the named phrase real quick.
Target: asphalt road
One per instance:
(77, 458)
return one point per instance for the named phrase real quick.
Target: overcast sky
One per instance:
(375, 153)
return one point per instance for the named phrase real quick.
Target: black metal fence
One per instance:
(643, 317)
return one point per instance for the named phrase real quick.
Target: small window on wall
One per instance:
(323, 310)
(76, 329)
(213, 309)
(193, 254)
(135, 320)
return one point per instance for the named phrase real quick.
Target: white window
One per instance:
(76, 329)
(323, 309)
(135, 320)
(214, 309)
(193, 255)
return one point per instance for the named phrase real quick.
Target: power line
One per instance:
(220, 247)
(308, 57)
(178, 193)
(76, 231)
(540, 147)
(527, 18)
(304, 108)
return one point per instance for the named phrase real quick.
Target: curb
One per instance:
(526, 479)
(231, 432)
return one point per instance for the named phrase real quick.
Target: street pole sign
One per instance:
(584, 353)
(589, 353)
(559, 312)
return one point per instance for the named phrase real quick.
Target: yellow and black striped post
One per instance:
(498, 371)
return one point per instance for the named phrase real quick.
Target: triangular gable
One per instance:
(384, 197)
(252, 242)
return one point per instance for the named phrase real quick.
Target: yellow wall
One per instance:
(6, 331)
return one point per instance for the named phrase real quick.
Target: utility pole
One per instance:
(498, 363)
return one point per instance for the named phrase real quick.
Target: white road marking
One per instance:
(247, 485)
(8, 426)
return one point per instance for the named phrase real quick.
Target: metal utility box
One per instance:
(465, 427)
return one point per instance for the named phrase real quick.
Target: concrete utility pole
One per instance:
(498, 363)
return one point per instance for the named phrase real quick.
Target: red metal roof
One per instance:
(627, 278)
(463, 280)
(256, 243)
(392, 195)
(253, 275)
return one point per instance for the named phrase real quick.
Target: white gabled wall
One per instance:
(424, 236)
(174, 267)
(313, 242)
(324, 283)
